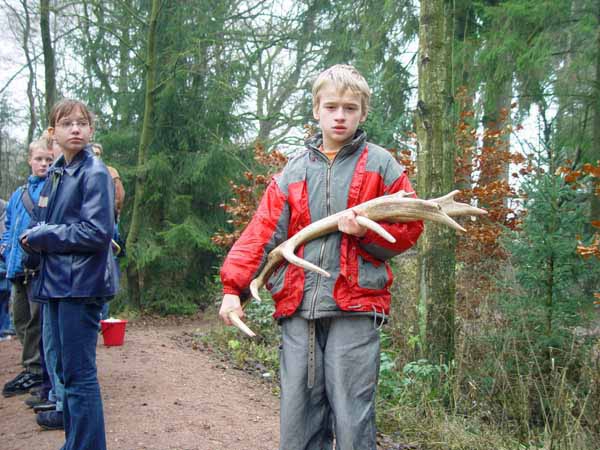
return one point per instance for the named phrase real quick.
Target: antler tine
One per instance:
(235, 319)
(454, 208)
(287, 252)
(375, 227)
(254, 288)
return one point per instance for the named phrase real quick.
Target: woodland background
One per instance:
(493, 342)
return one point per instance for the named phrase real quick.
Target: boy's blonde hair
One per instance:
(44, 142)
(97, 148)
(343, 77)
(47, 138)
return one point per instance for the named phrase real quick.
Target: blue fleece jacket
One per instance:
(17, 221)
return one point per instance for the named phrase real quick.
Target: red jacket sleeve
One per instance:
(266, 230)
(406, 234)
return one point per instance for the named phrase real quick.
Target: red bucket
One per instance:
(113, 331)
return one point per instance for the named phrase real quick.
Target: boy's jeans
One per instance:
(50, 353)
(342, 398)
(74, 324)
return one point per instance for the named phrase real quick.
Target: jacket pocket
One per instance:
(371, 276)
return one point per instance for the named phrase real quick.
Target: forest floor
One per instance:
(161, 391)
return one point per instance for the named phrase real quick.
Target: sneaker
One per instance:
(15, 380)
(35, 400)
(51, 420)
(37, 391)
(46, 406)
(21, 384)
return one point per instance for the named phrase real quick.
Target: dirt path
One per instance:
(159, 394)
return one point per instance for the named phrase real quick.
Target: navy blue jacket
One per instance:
(74, 230)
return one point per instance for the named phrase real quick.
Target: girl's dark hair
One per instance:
(65, 107)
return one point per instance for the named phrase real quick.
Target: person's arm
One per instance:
(4, 243)
(266, 230)
(119, 189)
(3, 208)
(119, 195)
(95, 227)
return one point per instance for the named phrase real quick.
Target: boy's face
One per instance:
(40, 160)
(339, 114)
(72, 132)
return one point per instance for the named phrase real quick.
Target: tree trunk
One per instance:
(495, 118)
(595, 149)
(49, 61)
(123, 118)
(31, 71)
(435, 163)
(133, 271)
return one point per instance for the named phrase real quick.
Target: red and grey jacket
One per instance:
(309, 188)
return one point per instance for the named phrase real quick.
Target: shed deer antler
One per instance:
(388, 208)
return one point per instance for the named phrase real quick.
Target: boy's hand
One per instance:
(230, 303)
(347, 224)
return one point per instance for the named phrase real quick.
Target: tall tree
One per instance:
(49, 59)
(435, 165)
(595, 150)
(145, 140)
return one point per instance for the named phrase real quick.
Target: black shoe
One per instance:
(39, 391)
(21, 384)
(16, 380)
(51, 420)
(47, 406)
(35, 400)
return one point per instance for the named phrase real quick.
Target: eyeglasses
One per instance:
(68, 124)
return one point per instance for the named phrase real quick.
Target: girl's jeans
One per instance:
(74, 326)
(50, 353)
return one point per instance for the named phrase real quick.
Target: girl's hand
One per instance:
(24, 243)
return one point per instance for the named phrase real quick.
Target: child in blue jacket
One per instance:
(26, 314)
(76, 273)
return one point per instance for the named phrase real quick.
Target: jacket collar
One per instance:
(314, 142)
(34, 180)
(78, 160)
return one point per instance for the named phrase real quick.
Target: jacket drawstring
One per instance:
(380, 326)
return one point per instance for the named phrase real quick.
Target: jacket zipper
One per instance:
(14, 241)
(313, 304)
